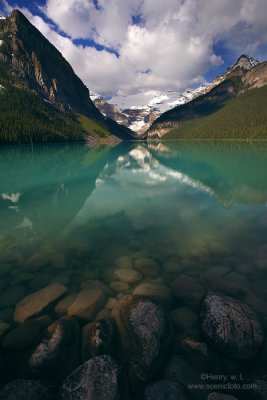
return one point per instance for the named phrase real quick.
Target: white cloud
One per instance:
(171, 47)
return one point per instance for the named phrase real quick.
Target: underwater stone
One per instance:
(231, 326)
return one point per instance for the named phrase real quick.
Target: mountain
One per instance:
(139, 111)
(42, 99)
(233, 106)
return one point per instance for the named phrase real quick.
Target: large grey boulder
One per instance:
(99, 378)
(231, 326)
(57, 347)
(150, 335)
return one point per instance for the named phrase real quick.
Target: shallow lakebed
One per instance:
(81, 228)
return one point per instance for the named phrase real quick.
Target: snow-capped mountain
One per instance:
(244, 63)
(139, 111)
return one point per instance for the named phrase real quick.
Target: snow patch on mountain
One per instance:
(155, 100)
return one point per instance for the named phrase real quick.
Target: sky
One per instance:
(127, 47)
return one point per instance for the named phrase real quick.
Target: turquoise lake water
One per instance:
(68, 212)
(197, 211)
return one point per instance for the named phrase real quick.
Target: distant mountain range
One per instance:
(41, 98)
(138, 115)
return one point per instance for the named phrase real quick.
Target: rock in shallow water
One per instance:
(62, 307)
(100, 339)
(186, 288)
(119, 287)
(87, 303)
(127, 275)
(22, 389)
(34, 303)
(93, 284)
(231, 326)
(156, 291)
(57, 347)
(196, 347)
(23, 335)
(147, 267)
(124, 262)
(150, 337)
(35, 263)
(99, 378)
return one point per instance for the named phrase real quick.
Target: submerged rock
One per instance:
(57, 347)
(231, 326)
(87, 303)
(23, 335)
(99, 378)
(187, 289)
(150, 336)
(196, 347)
(93, 284)
(100, 339)
(147, 267)
(36, 262)
(111, 303)
(124, 262)
(127, 275)
(22, 389)
(166, 390)
(156, 291)
(119, 287)
(58, 261)
(36, 302)
(62, 307)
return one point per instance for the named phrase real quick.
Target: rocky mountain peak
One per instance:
(245, 62)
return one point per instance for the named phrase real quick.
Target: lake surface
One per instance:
(69, 212)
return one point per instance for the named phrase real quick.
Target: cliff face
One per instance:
(42, 67)
(29, 61)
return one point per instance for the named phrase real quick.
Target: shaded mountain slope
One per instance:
(232, 109)
(30, 63)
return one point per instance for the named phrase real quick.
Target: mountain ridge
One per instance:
(34, 64)
(233, 107)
